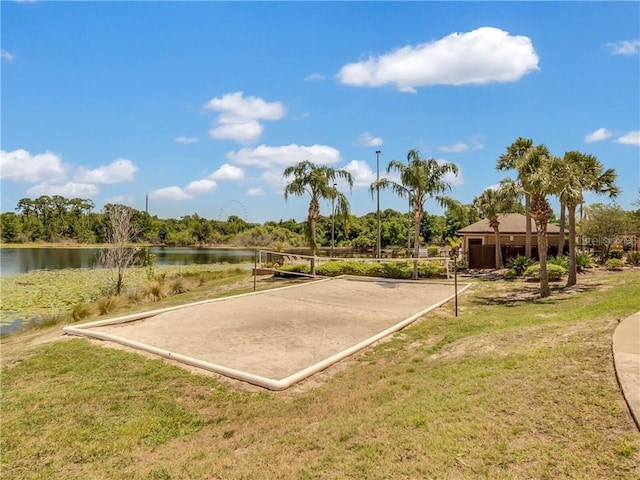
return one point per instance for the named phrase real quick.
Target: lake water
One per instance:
(22, 260)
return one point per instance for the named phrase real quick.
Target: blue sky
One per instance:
(203, 104)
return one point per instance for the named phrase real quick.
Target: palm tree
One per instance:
(536, 168)
(317, 181)
(577, 173)
(492, 203)
(420, 180)
(508, 161)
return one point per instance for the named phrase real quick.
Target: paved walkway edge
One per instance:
(626, 358)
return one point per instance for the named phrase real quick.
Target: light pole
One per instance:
(333, 218)
(378, 253)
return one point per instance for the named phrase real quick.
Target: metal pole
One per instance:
(455, 279)
(378, 249)
(333, 218)
(255, 269)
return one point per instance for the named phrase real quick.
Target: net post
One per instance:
(255, 269)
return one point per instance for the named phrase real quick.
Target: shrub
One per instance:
(633, 258)
(430, 269)
(519, 264)
(614, 264)
(584, 260)
(154, 291)
(616, 254)
(82, 311)
(433, 251)
(295, 268)
(554, 272)
(402, 270)
(509, 274)
(559, 260)
(179, 284)
(50, 317)
(109, 304)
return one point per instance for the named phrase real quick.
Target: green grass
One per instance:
(512, 388)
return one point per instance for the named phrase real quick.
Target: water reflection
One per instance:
(23, 260)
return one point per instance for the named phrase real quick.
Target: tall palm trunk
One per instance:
(573, 268)
(540, 211)
(527, 238)
(561, 239)
(493, 222)
(314, 211)
(416, 242)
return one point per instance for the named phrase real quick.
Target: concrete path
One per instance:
(626, 357)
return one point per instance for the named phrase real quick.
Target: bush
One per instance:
(555, 272)
(614, 264)
(82, 311)
(519, 264)
(430, 269)
(633, 258)
(616, 254)
(509, 274)
(559, 260)
(109, 304)
(295, 268)
(154, 291)
(179, 284)
(433, 251)
(584, 260)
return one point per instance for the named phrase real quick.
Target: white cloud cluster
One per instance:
(185, 140)
(49, 174)
(455, 148)
(630, 138)
(120, 170)
(21, 166)
(315, 76)
(598, 135)
(363, 174)
(239, 116)
(202, 186)
(624, 47)
(255, 192)
(484, 55)
(6, 55)
(265, 156)
(365, 139)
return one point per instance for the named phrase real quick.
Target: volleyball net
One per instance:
(293, 264)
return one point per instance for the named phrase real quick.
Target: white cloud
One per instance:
(315, 76)
(481, 56)
(21, 166)
(228, 172)
(365, 139)
(598, 135)
(185, 140)
(6, 55)
(630, 138)
(69, 189)
(302, 116)
(198, 187)
(456, 148)
(241, 132)
(170, 194)
(363, 174)
(624, 47)
(118, 171)
(477, 142)
(265, 156)
(238, 119)
(273, 178)
(255, 192)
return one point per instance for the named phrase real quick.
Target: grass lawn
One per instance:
(512, 388)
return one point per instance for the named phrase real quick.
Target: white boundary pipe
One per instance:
(268, 383)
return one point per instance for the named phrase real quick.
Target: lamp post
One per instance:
(333, 218)
(378, 253)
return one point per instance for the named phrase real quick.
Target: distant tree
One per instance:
(317, 181)
(420, 180)
(603, 224)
